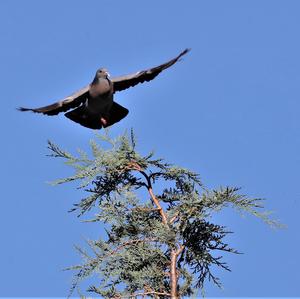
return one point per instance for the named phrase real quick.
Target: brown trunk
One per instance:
(173, 271)
(173, 274)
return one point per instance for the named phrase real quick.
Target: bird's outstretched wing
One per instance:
(72, 101)
(124, 82)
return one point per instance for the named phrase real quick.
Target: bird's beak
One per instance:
(107, 74)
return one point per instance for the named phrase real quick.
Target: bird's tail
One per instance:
(81, 116)
(93, 121)
(116, 113)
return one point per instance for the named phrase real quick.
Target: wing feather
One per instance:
(72, 101)
(124, 82)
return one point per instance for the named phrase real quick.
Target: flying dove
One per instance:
(94, 104)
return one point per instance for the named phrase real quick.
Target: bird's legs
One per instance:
(103, 121)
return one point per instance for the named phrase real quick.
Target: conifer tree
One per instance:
(159, 240)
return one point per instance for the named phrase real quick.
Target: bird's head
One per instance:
(102, 73)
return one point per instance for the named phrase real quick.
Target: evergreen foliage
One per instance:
(159, 243)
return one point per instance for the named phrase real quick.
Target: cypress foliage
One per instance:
(159, 243)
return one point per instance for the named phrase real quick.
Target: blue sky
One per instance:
(229, 111)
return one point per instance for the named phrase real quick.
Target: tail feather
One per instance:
(80, 116)
(116, 113)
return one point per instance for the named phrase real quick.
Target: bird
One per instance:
(93, 106)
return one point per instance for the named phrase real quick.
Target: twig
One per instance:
(174, 218)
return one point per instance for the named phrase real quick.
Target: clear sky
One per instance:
(229, 111)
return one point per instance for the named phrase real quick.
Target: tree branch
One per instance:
(159, 207)
(137, 167)
(143, 294)
(131, 242)
(145, 209)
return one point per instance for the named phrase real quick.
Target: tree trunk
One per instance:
(173, 275)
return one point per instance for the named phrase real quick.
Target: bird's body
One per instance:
(95, 111)
(100, 95)
(94, 104)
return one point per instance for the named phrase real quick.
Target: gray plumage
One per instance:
(94, 104)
